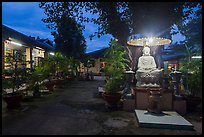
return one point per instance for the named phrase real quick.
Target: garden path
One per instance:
(76, 109)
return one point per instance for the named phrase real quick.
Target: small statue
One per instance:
(147, 74)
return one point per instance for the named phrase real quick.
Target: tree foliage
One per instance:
(191, 28)
(192, 70)
(67, 32)
(69, 39)
(192, 45)
(121, 18)
(116, 66)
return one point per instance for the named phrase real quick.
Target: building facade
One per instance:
(26, 50)
(97, 61)
(164, 59)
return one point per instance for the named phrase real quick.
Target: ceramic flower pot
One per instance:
(192, 103)
(112, 98)
(50, 86)
(13, 100)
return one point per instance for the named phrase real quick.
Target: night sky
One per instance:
(25, 17)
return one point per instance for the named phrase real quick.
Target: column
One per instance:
(45, 54)
(28, 57)
(3, 54)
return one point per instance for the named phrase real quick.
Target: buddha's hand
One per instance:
(148, 69)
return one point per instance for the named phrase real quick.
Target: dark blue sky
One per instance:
(25, 17)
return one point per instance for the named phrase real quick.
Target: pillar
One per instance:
(28, 57)
(45, 54)
(3, 54)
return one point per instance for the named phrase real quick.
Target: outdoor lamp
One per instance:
(147, 41)
(150, 40)
(196, 57)
(15, 43)
(52, 53)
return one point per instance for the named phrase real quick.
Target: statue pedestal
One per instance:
(142, 98)
(154, 102)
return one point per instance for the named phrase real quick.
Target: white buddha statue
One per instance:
(147, 74)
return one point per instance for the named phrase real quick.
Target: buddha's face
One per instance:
(146, 51)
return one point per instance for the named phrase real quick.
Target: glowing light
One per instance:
(150, 40)
(39, 48)
(51, 53)
(196, 57)
(15, 43)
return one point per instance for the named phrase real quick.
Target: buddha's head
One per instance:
(146, 51)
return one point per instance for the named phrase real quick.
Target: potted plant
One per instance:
(34, 83)
(37, 79)
(48, 71)
(192, 71)
(114, 71)
(58, 61)
(13, 79)
(69, 67)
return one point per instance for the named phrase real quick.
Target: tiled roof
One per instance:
(8, 33)
(166, 55)
(173, 56)
(98, 53)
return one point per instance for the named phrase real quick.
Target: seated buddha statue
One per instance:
(147, 74)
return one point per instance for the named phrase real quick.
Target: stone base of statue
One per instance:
(148, 79)
(149, 98)
(154, 104)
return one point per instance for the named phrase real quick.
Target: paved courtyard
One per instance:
(77, 109)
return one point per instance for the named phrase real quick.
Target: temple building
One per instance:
(166, 58)
(97, 59)
(29, 49)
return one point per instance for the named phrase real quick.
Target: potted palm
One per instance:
(48, 70)
(114, 71)
(37, 78)
(73, 73)
(58, 61)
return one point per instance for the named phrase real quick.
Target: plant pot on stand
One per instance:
(192, 102)
(112, 99)
(13, 100)
(115, 74)
(49, 85)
